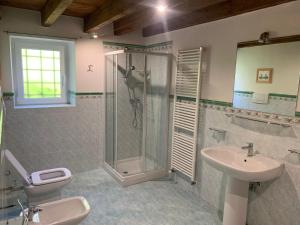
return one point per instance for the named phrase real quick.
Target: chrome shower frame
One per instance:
(145, 175)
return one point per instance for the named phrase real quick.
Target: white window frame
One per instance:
(19, 42)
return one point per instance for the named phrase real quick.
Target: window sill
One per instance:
(44, 106)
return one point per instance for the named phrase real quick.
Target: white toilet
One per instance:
(40, 183)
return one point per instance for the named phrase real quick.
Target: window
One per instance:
(41, 70)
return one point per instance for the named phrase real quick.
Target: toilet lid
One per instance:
(16, 164)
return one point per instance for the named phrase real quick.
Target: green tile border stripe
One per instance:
(282, 95)
(244, 92)
(159, 44)
(205, 101)
(89, 93)
(215, 102)
(85, 93)
(123, 44)
(270, 94)
(8, 94)
(186, 98)
(137, 46)
(297, 114)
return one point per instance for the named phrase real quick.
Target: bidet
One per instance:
(68, 211)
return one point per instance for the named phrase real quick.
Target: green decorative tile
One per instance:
(137, 46)
(160, 44)
(89, 93)
(183, 98)
(244, 92)
(205, 101)
(282, 95)
(85, 93)
(215, 102)
(8, 94)
(123, 45)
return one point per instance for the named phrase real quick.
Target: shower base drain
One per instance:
(125, 172)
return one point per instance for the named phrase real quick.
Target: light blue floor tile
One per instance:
(149, 203)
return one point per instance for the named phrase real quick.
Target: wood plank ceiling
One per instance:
(131, 15)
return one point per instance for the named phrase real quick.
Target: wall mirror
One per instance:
(267, 76)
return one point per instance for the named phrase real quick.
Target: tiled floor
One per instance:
(149, 203)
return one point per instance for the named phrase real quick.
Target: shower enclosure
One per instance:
(136, 115)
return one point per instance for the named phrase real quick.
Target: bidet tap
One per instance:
(250, 149)
(32, 210)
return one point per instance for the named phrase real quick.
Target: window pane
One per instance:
(33, 52)
(34, 76)
(41, 73)
(24, 62)
(24, 76)
(25, 90)
(56, 54)
(57, 89)
(34, 90)
(46, 53)
(48, 90)
(57, 64)
(47, 63)
(48, 76)
(23, 51)
(57, 77)
(34, 63)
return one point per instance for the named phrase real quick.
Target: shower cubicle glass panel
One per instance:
(110, 63)
(137, 103)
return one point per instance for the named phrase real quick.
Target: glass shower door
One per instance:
(157, 109)
(129, 113)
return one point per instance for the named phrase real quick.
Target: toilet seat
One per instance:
(41, 185)
(40, 177)
(50, 176)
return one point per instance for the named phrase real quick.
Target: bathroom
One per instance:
(112, 133)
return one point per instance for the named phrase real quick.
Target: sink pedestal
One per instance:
(241, 170)
(236, 201)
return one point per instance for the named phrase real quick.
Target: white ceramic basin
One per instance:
(234, 162)
(241, 170)
(68, 211)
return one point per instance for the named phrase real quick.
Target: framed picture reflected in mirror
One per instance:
(264, 75)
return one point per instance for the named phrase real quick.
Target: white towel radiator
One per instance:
(186, 110)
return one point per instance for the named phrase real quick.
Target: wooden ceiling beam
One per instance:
(211, 13)
(52, 10)
(150, 15)
(110, 11)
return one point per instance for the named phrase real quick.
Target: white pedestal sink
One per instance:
(242, 170)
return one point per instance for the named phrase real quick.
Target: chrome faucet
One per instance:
(250, 149)
(32, 211)
(24, 214)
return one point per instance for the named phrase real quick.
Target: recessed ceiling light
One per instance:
(161, 8)
(95, 35)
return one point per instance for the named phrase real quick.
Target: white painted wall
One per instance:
(88, 51)
(284, 58)
(221, 38)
